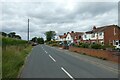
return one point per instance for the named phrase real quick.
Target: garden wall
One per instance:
(109, 55)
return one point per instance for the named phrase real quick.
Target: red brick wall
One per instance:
(109, 35)
(97, 53)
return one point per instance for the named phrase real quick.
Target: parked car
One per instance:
(34, 44)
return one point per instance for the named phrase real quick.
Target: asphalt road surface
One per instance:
(49, 62)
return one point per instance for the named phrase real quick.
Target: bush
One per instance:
(84, 45)
(96, 46)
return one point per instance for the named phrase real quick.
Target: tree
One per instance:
(34, 39)
(11, 34)
(17, 36)
(3, 34)
(40, 40)
(50, 35)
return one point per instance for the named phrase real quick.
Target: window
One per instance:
(116, 43)
(102, 42)
(119, 41)
(93, 35)
(85, 36)
(100, 34)
(79, 37)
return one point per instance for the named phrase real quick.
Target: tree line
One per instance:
(37, 40)
(50, 35)
(11, 35)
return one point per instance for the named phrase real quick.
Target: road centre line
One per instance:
(67, 73)
(52, 58)
(46, 52)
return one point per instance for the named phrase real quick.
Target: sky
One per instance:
(56, 15)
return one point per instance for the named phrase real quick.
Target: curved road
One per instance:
(48, 62)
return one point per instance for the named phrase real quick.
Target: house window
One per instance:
(79, 37)
(93, 35)
(85, 36)
(100, 34)
(116, 43)
(102, 42)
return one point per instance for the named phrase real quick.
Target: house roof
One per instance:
(100, 29)
(63, 36)
(60, 36)
(76, 34)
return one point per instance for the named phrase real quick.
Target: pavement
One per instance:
(49, 62)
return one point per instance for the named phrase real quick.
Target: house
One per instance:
(57, 38)
(74, 37)
(61, 37)
(108, 35)
(78, 37)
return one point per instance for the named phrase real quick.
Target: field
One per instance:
(14, 53)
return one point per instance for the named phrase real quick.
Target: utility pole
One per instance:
(28, 30)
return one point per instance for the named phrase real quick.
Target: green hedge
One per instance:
(93, 46)
(96, 46)
(11, 41)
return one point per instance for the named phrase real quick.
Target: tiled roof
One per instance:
(76, 34)
(63, 36)
(100, 29)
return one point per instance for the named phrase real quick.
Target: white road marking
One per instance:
(67, 73)
(46, 52)
(43, 48)
(52, 58)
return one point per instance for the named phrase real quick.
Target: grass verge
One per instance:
(13, 59)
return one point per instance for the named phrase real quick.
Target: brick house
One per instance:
(108, 35)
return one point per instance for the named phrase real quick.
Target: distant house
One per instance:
(58, 38)
(108, 35)
(61, 37)
(74, 37)
(78, 37)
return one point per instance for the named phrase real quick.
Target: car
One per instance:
(34, 44)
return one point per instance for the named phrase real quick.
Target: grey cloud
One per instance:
(46, 16)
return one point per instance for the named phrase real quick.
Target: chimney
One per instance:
(67, 32)
(94, 27)
(72, 31)
(64, 33)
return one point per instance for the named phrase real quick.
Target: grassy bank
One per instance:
(14, 53)
(0, 62)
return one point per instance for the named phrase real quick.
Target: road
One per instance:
(49, 62)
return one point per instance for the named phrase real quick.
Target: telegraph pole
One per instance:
(28, 30)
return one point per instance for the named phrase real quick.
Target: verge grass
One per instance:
(13, 56)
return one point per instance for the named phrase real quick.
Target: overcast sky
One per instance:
(60, 16)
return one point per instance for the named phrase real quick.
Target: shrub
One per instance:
(54, 44)
(96, 46)
(84, 45)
